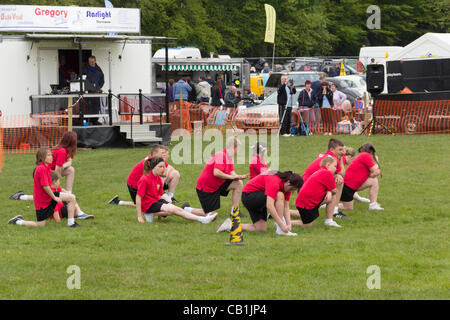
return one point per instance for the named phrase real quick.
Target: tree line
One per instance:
(303, 27)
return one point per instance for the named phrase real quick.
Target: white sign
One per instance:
(69, 19)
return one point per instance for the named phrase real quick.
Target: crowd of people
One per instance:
(332, 181)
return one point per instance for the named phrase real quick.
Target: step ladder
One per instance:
(141, 133)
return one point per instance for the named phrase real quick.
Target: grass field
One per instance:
(176, 259)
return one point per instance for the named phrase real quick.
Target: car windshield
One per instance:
(350, 83)
(272, 99)
(299, 79)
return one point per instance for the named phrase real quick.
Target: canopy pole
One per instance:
(166, 76)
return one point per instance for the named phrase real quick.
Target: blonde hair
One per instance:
(233, 142)
(327, 160)
(349, 151)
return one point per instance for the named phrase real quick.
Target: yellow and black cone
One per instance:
(236, 235)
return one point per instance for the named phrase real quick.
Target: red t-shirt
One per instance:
(358, 171)
(207, 182)
(42, 177)
(60, 156)
(315, 188)
(58, 205)
(257, 166)
(269, 183)
(315, 165)
(137, 172)
(150, 189)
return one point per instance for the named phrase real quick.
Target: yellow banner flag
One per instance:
(271, 17)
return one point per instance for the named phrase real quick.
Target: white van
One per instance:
(378, 54)
(179, 53)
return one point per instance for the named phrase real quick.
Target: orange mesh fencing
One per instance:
(27, 133)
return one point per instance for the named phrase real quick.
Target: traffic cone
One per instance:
(342, 71)
(236, 236)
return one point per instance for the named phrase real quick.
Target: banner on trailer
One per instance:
(69, 19)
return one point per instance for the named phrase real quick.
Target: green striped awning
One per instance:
(200, 67)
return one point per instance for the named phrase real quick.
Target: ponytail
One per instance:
(294, 179)
(370, 148)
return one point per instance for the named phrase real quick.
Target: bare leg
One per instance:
(169, 209)
(236, 186)
(334, 202)
(173, 177)
(372, 184)
(126, 203)
(69, 173)
(33, 223)
(294, 213)
(260, 226)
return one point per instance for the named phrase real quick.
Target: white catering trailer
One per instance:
(30, 65)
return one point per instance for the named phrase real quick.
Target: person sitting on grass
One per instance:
(319, 188)
(61, 208)
(151, 200)
(45, 200)
(218, 178)
(258, 163)
(268, 192)
(170, 178)
(349, 156)
(362, 174)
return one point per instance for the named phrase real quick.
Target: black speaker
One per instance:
(375, 78)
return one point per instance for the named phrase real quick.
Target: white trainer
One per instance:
(332, 223)
(225, 226)
(281, 233)
(209, 218)
(362, 199)
(375, 206)
(149, 217)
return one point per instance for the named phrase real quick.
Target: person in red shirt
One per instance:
(45, 200)
(350, 154)
(61, 208)
(63, 153)
(362, 174)
(170, 178)
(218, 178)
(151, 200)
(271, 192)
(258, 163)
(319, 188)
(336, 150)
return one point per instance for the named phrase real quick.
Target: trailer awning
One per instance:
(200, 67)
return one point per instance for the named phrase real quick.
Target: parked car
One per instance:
(298, 78)
(355, 82)
(352, 93)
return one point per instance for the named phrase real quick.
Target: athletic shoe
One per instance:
(84, 216)
(286, 135)
(332, 223)
(339, 215)
(184, 205)
(375, 206)
(14, 220)
(174, 200)
(361, 199)
(149, 217)
(225, 226)
(281, 233)
(74, 225)
(209, 218)
(16, 196)
(114, 200)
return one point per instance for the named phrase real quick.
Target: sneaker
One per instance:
(332, 223)
(14, 220)
(174, 200)
(225, 226)
(209, 218)
(114, 200)
(74, 225)
(286, 135)
(184, 205)
(149, 217)
(281, 233)
(339, 215)
(361, 199)
(16, 196)
(213, 214)
(375, 206)
(85, 216)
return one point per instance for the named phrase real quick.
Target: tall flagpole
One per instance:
(273, 56)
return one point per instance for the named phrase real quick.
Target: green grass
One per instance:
(176, 259)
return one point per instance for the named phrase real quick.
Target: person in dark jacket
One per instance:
(216, 99)
(284, 100)
(192, 97)
(306, 100)
(95, 80)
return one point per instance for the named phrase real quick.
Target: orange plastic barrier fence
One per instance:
(27, 133)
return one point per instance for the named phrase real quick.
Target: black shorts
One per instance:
(45, 213)
(64, 212)
(133, 193)
(347, 194)
(165, 186)
(210, 201)
(156, 206)
(255, 202)
(308, 215)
